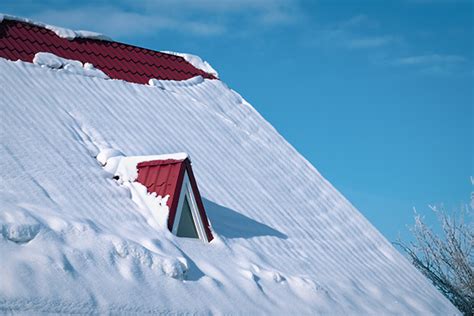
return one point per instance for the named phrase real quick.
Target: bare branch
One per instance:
(446, 260)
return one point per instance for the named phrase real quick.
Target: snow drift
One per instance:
(52, 61)
(74, 241)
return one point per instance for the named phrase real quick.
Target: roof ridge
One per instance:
(129, 47)
(22, 40)
(83, 51)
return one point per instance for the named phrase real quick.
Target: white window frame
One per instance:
(187, 191)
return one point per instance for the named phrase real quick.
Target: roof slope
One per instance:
(73, 241)
(21, 41)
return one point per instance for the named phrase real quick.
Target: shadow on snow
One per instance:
(231, 224)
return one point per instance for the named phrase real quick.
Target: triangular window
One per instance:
(186, 226)
(188, 222)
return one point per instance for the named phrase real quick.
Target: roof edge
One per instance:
(159, 162)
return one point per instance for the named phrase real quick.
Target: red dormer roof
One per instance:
(167, 177)
(22, 40)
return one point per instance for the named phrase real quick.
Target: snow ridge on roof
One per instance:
(196, 61)
(72, 66)
(21, 39)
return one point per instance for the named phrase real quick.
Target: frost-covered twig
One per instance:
(447, 260)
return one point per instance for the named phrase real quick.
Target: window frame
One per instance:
(187, 192)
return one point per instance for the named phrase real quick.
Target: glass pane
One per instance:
(186, 227)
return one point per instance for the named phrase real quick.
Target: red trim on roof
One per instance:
(165, 177)
(22, 40)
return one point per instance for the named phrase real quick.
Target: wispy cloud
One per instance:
(118, 23)
(357, 21)
(366, 35)
(147, 17)
(437, 64)
(357, 32)
(430, 59)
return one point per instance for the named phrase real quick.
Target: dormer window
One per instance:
(174, 177)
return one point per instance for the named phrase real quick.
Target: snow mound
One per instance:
(18, 226)
(59, 31)
(21, 233)
(107, 153)
(196, 61)
(168, 84)
(52, 61)
(172, 267)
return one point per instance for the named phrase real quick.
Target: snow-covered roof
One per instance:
(73, 240)
(22, 39)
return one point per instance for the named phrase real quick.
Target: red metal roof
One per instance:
(22, 40)
(165, 177)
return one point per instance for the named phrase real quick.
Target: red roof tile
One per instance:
(22, 40)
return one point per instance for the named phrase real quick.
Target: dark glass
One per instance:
(186, 227)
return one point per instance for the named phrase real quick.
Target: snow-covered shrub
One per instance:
(446, 259)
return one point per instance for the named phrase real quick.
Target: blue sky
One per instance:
(378, 95)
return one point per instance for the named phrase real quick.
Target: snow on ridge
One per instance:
(59, 31)
(164, 84)
(196, 61)
(53, 61)
(69, 34)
